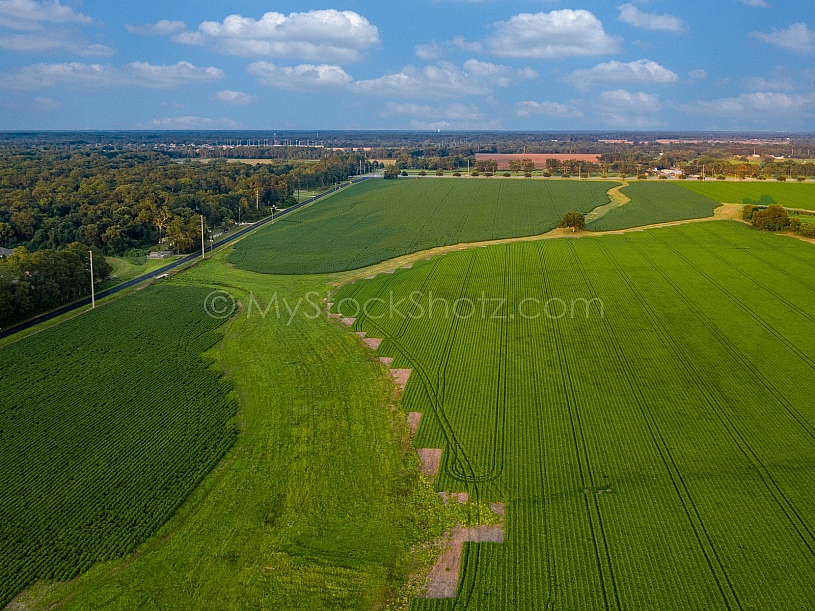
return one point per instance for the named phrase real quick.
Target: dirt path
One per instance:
(724, 212)
(618, 199)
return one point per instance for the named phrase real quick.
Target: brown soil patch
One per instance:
(413, 419)
(454, 497)
(400, 376)
(442, 582)
(431, 459)
(386, 360)
(361, 334)
(498, 509)
(348, 321)
(373, 342)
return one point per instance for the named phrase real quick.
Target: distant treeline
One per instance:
(117, 200)
(31, 283)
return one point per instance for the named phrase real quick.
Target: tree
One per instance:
(6, 233)
(574, 220)
(774, 218)
(391, 172)
(528, 165)
(514, 165)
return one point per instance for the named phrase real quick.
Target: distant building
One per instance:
(5, 252)
(160, 254)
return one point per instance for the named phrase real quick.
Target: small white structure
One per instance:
(160, 254)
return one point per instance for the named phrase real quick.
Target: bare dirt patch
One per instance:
(400, 376)
(348, 321)
(413, 419)
(386, 360)
(430, 459)
(373, 342)
(442, 582)
(454, 497)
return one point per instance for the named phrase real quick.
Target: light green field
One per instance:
(789, 195)
(382, 219)
(655, 453)
(125, 270)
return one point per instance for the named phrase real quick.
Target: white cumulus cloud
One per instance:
(238, 98)
(41, 27)
(305, 77)
(640, 72)
(444, 79)
(798, 38)
(318, 35)
(621, 108)
(631, 15)
(560, 33)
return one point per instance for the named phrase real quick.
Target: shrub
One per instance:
(507, 175)
(584, 175)
(391, 172)
(800, 178)
(422, 173)
(404, 173)
(781, 178)
(457, 174)
(642, 176)
(807, 229)
(720, 177)
(761, 177)
(566, 175)
(527, 174)
(474, 173)
(547, 175)
(663, 177)
(623, 176)
(700, 177)
(488, 174)
(747, 212)
(439, 172)
(682, 177)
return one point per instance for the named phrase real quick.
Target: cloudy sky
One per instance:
(423, 64)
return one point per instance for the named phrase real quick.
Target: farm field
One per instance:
(788, 194)
(318, 503)
(107, 423)
(654, 448)
(379, 220)
(654, 202)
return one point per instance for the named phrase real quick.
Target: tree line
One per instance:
(34, 282)
(120, 200)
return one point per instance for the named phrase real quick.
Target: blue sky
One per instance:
(425, 64)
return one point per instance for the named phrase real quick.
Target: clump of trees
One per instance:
(776, 218)
(574, 220)
(33, 282)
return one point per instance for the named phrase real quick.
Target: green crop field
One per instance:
(655, 447)
(788, 194)
(107, 422)
(378, 220)
(654, 202)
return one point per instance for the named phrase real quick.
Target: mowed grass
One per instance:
(320, 501)
(654, 202)
(788, 194)
(108, 422)
(655, 452)
(382, 219)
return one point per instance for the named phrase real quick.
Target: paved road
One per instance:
(138, 280)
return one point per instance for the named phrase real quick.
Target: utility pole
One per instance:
(257, 199)
(93, 293)
(203, 244)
